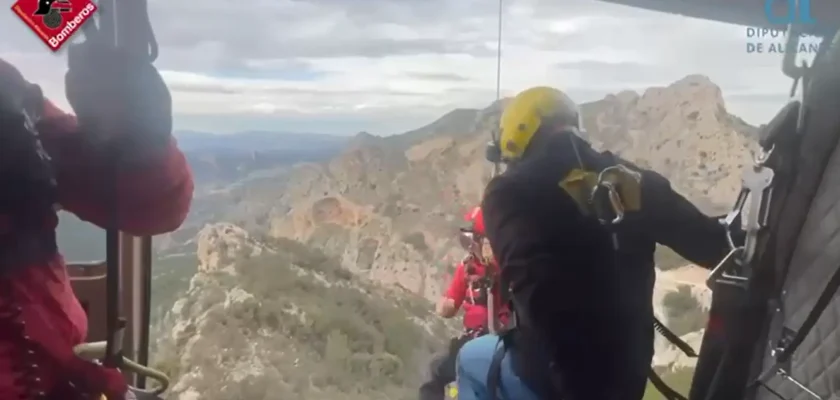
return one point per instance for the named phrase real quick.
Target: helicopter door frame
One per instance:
(135, 290)
(88, 280)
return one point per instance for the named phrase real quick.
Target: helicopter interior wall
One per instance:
(743, 12)
(816, 255)
(816, 363)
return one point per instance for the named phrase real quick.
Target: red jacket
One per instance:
(470, 296)
(153, 199)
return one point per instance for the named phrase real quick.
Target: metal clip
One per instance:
(786, 375)
(733, 214)
(719, 273)
(615, 201)
(756, 186)
(758, 181)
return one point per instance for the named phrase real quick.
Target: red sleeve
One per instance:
(457, 290)
(152, 199)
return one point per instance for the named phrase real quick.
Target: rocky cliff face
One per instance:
(267, 319)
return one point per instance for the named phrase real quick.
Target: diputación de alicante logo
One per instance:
(54, 21)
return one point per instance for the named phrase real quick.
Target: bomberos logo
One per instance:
(54, 21)
(71, 26)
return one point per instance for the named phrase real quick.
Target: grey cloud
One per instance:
(222, 35)
(438, 76)
(224, 90)
(631, 73)
(410, 12)
(283, 31)
(201, 88)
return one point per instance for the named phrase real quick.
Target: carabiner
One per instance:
(614, 198)
(616, 203)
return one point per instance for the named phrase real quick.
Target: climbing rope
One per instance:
(492, 318)
(494, 133)
(499, 55)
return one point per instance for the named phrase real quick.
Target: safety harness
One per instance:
(483, 285)
(748, 283)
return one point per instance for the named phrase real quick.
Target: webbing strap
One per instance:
(673, 338)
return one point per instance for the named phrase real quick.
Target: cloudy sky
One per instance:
(386, 66)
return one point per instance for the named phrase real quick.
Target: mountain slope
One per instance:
(272, 319)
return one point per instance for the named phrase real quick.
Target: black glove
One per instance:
(120, 100)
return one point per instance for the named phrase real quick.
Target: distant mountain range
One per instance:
(215, 160)
(226, 158)
(248, 141)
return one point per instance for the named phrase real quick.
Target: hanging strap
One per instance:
(672, 337)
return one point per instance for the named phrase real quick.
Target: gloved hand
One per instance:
(120, 100)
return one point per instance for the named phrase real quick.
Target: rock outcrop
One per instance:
(275, 320)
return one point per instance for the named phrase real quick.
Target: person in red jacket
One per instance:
(474, 279)
(124, 107)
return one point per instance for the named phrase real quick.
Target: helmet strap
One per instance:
(572, 138)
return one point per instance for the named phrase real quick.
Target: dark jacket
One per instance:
(584, 306)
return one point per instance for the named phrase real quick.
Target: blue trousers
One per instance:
(473, 364)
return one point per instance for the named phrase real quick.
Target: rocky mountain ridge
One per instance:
(272, 319)
(389, 208)
(264, 318)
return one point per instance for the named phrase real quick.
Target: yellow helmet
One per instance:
(527, 112)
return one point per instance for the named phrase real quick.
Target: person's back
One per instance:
(575, 232)
(568, 298)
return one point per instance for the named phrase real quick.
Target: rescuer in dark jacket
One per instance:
(581, 288)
